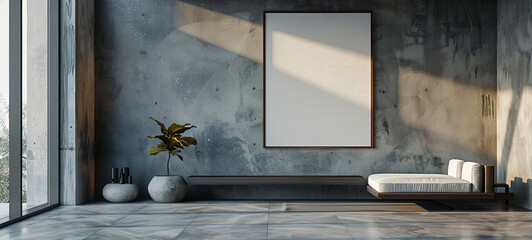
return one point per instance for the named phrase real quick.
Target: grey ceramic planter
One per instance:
(167, 188)
(114, 192)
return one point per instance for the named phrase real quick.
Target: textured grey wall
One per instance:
(201, 62)
(514, 82)
(77, 102)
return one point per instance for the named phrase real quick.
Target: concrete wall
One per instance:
(514, 85)
(201, 62)
(77, 102)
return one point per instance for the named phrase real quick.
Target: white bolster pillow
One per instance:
(471, 172)
(455, 168)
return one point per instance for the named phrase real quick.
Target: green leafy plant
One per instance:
(172, 141)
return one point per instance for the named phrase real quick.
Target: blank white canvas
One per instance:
(318, 80)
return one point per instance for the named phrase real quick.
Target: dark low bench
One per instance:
(212, 187)
(275, 180)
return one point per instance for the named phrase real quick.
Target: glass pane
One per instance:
(4, 110)
(34, 103)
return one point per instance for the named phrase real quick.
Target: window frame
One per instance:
(15, 112)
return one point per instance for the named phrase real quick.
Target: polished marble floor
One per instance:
(271, 220)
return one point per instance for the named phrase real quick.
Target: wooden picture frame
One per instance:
(318, 79)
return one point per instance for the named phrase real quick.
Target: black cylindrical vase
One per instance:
(125, 175)
(114, 175)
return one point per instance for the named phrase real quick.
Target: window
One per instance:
(34, 103)
(29, 108)
(4, 109)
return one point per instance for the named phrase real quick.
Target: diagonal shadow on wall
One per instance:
(401, 146)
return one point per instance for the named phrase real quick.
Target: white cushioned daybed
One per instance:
(464, 180)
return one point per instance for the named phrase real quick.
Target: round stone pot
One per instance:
(115, 192)
(167, 188)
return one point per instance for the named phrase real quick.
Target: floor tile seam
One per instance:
(145, 206)
(105, 227)
(345, 226)
(268, 219)
(95, 232)
(92, 212)
(125, 216)
(114, 222)
(197, 215)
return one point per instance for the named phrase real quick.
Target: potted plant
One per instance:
(169, 188)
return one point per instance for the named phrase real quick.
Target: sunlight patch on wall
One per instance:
(520, 153)
(221, 30)
(446, 108)
(303, 59)
(504, 98)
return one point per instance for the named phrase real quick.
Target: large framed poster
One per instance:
(318, 83)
